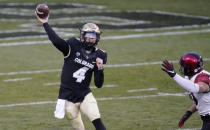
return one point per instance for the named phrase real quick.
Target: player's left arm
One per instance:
(99, 71)
(187, 115)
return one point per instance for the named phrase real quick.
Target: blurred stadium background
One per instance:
(137, 35)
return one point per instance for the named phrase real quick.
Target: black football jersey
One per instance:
(78, 67)
(77, 71)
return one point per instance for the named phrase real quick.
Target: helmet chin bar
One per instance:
(89, 46)
(186, 71)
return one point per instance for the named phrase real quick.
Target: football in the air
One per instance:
(42, 10)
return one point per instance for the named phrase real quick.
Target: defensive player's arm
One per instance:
(187, 115)
(201, 84)
(192, 108)
(58, 42)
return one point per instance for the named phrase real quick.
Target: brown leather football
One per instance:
(42, 10)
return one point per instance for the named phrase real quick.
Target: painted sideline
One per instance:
(98, 99)
(106, 66)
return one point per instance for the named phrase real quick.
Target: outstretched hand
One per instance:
(42, 20)
(168, 68)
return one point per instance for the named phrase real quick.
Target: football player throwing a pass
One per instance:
(196, 82)
(81, 60)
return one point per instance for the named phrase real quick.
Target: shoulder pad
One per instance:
(98, 49)
(203, 77)
(73, 42)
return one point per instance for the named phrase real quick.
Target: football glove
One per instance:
(184, 118)
(168, 68)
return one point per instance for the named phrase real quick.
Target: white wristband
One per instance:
(186, 84)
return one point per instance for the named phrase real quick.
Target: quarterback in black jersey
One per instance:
(81, 60)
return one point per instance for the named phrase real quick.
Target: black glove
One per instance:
(184, 118)
(168, 68)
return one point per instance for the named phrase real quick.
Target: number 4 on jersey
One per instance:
(80, 74)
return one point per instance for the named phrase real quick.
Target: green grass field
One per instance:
(30, 74)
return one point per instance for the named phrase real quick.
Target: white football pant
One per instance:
(89, 107)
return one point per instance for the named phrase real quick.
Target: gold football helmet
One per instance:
(89, 35)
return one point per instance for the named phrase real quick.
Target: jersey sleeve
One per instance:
(99, 74)
(103, 56)
(58, 42)
(203, 78)
(98, 78)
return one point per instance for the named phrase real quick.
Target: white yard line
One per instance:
(7, 44)
(141, 97)
(27, 104)
(141, 64)
(175, 14)
(31, 72)
(105, 86)
(106, 66)
(134, 64)
(62, 30)
(189, 129)
(141, 90)
(17, 79)
(156, 34)
(98, 99)
(24, 43)
(51, 84)
(93, 87)
(33, 37)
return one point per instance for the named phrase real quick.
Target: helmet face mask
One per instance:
(89, 35)
(186, 71)
(190, 64)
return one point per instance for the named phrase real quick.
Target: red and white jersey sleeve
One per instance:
(203, 99)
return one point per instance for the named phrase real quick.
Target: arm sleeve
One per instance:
(98, 78)
(186, 84)
(58, 42)
(105, 58)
